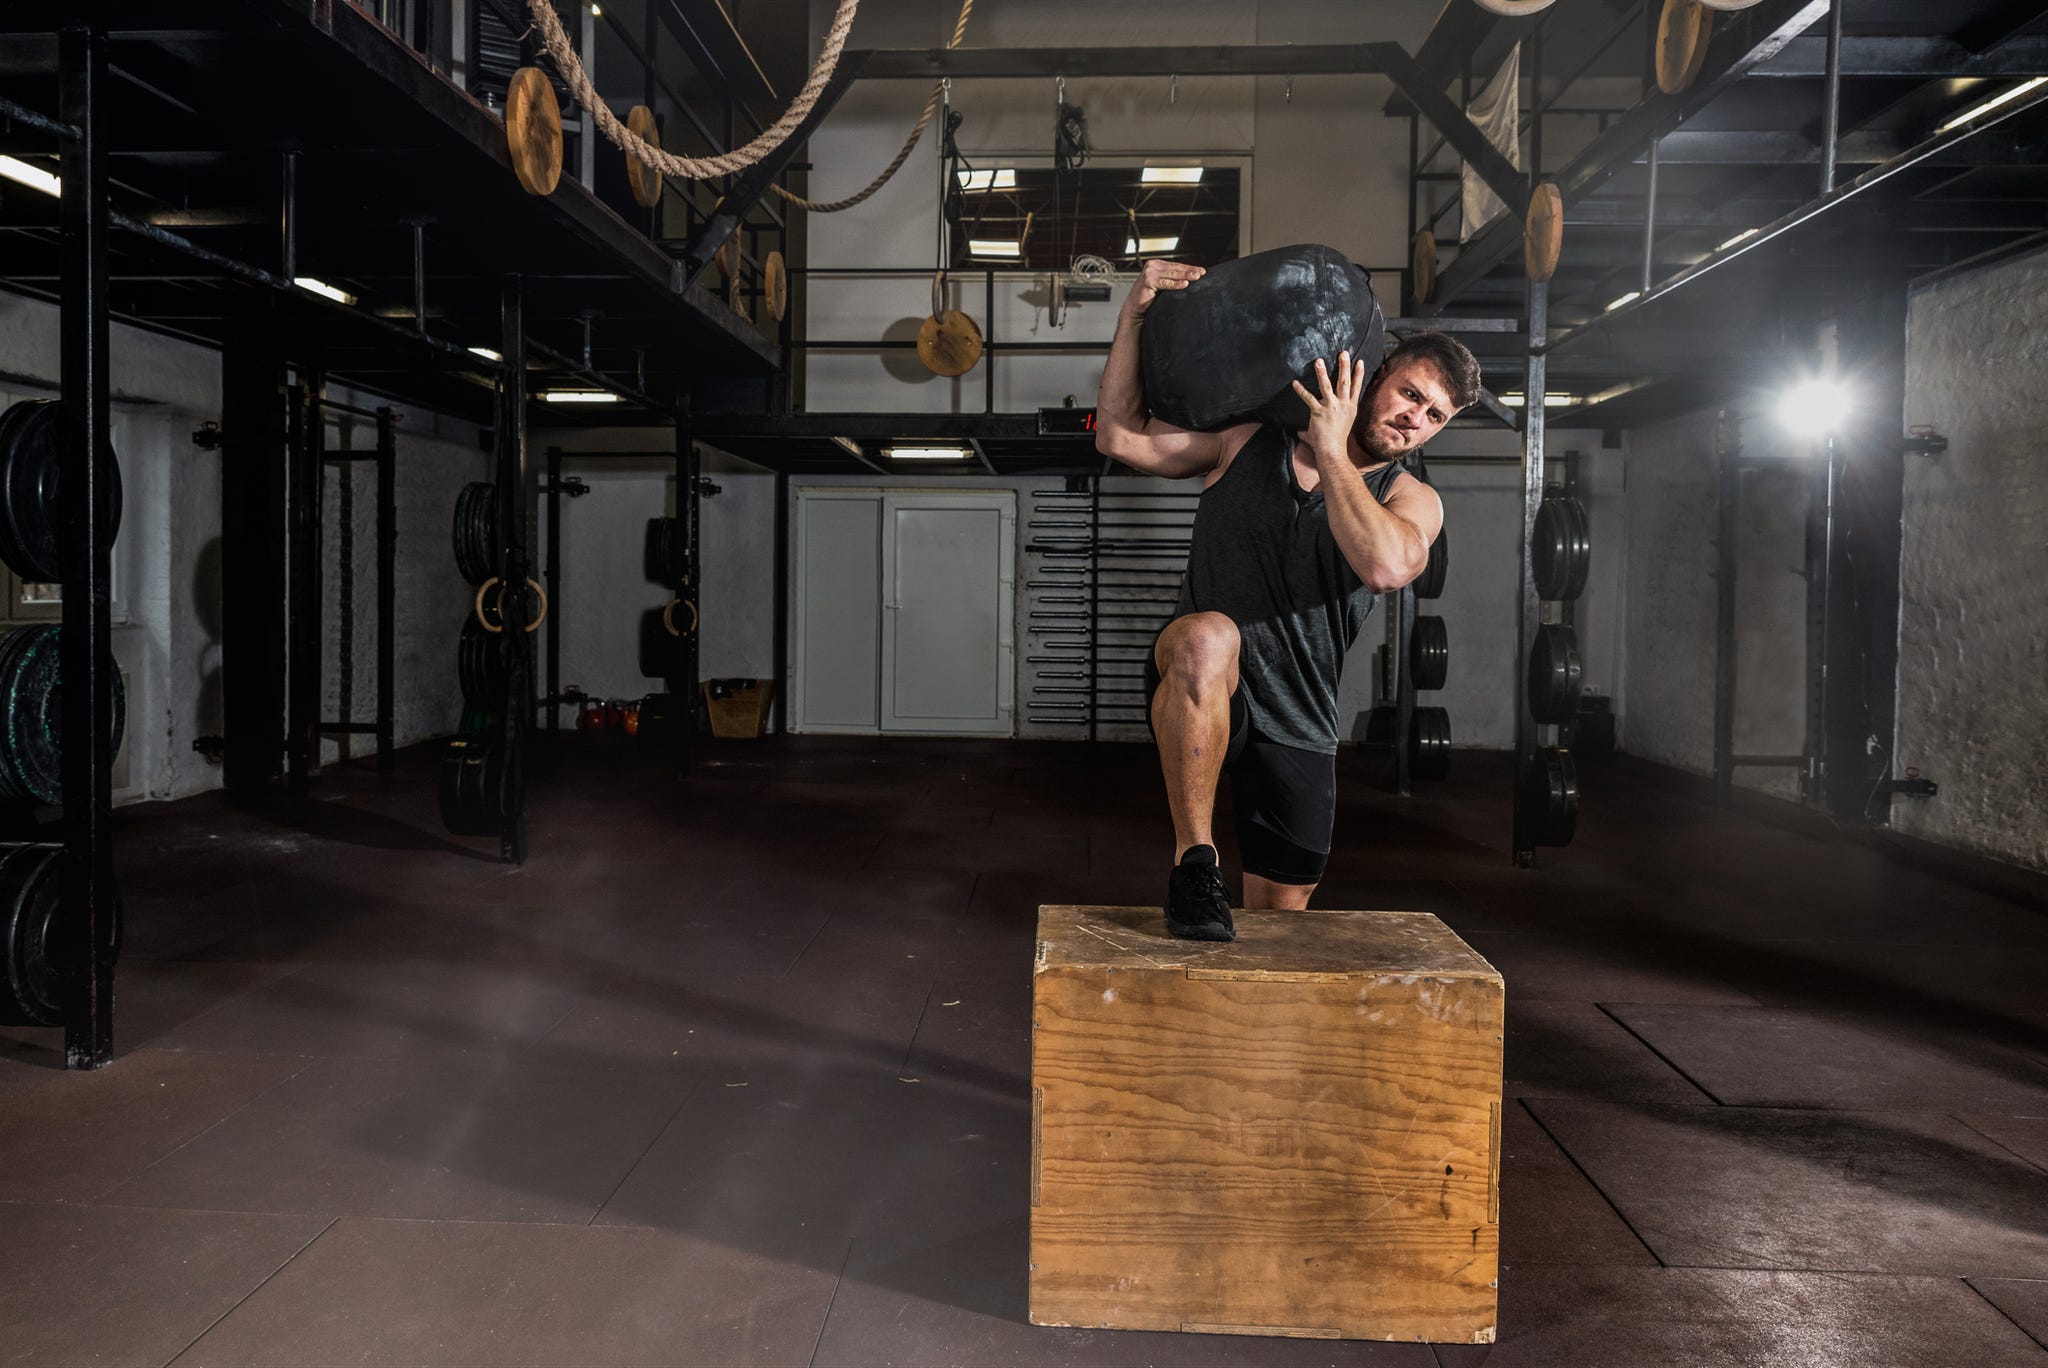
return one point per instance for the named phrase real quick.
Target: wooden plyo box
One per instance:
(1296, 1133)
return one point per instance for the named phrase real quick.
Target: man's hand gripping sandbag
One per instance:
(1229, 347)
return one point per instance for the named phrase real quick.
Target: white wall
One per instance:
(1973, 632)
(1670, 593)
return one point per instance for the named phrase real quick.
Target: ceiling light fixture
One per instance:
(487, 354)
(579, 397)
(34, 177)
(1551, 400)
(1743, 236)
(1170, 175)
(988, 247)
(927, 452)
(1993, 103)
(1000, 178)
(322, 288)
(1631, 297)
(1149, 246)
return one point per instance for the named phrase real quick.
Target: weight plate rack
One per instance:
(32, 717)
(1560, 562)
(1419, 654)
(39, 950)
(32, 442)
(1102, 580)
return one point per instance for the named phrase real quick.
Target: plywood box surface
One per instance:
(1295, 1133)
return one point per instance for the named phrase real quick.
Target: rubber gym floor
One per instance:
(736, 1071)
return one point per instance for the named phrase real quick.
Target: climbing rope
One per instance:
(931, 106)
(556, 40)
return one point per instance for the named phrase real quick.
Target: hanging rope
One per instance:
(931, 106)
(556, 40)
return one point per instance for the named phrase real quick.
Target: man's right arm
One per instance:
(1124, 430)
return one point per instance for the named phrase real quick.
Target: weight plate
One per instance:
(1430, 583)
(659, 651)
(479, 666)
(471, 788)
(1549, 797)
(38, 943)
(32, 714)
(32, 444)
(476, 523)
(1429, 652)
(1556, 675)
(1380, 723)
(1559, 550)
(667, 555)
(1429, 744)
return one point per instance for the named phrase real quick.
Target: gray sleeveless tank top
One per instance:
(1263, 556)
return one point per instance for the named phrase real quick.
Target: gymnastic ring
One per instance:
(481, 620)
(534, 585)
(668, 619)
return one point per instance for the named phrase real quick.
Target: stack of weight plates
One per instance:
(32, 714)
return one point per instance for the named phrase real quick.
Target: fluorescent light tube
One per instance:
(984, 247)
(321, 287)
(1743, 236)
(1631, 297)
(1170, 175)
(1994, 102)
(928, 453)
(487, 354)
(1000, 178)
(579, 397)
(34, 177)
(1149, 246)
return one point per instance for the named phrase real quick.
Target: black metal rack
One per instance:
(1103, 583)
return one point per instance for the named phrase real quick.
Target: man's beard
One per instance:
(1377, 441)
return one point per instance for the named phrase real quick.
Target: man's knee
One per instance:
(1198, 653)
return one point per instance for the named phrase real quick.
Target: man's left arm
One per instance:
(1386, 545)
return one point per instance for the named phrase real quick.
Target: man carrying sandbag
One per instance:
(1296, 534)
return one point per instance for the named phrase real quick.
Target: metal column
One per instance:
(682, 686)
(387, 584)
(85, 655)
(1404, 687)
(514, 511)
(303, 479)
(1727, 529)
(1533, 390)
(253, 563)
(781, 601)
(551, 576)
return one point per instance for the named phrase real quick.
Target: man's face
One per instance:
(1406, 405)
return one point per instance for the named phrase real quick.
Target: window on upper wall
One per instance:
(1036, 219)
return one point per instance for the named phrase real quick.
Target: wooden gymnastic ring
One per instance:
(1515, 7)
(534, 585)
(1543, 231)
(483, 621)
(775, 284)
(668, 619)
(642, 179)
(1726, 6)
(1681, 49)
(533, 130)
(1422, 263)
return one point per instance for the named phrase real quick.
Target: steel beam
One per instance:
(387, 587)
(1931, 59)
(1262, 59)
(85, 650)
(513, 514)
(1926, 152)
(1751, 37)
(1528, 607)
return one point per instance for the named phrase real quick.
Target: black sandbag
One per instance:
(1227, 348)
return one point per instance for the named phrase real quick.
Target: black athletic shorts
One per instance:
(1285, 797)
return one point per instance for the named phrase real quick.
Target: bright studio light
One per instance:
(579, 397)
(34, 177)
(1814, 408)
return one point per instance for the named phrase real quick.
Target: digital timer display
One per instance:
(1066, 422)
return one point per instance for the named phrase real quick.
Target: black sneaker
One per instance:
(1197, 905)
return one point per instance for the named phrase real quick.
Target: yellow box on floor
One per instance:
(1296, 1133)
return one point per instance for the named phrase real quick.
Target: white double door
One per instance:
(905, 616)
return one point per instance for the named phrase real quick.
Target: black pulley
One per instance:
(667, 557)
(1549, 797)
(1429, 652)
(473, 786)
(476, 530)
(33, 440)
(659, 651)
(32, 713)
(1556, 676)
(1429, 744)
(479, 666)
(1430, 583)
(1560, 553)
(41, 950)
